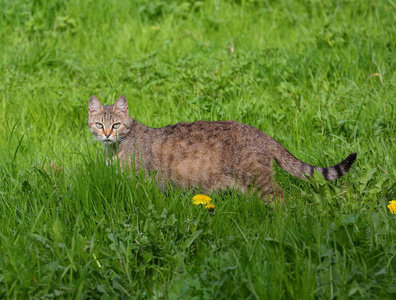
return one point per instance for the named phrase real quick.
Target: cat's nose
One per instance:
(107, 134)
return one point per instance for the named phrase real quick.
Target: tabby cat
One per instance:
(209, 156)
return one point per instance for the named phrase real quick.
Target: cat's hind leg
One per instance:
(259, 179)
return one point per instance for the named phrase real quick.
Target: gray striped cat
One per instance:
(210, 156)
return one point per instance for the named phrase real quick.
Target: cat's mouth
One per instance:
(107, 141)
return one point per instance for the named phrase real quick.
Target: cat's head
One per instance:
(109, 123)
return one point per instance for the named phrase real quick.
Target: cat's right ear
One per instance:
(121, 105)
(94, 105)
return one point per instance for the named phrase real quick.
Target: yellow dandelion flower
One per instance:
(201, 199)
(210, 207)
(392, 206)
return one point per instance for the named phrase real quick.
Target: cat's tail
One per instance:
(300, 169)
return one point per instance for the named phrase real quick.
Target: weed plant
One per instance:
(318, 76)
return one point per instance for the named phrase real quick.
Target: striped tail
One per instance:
(336, 171)
(300, 169)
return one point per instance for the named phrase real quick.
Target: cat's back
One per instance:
(204, 131)
(210, 138)
(199, 127)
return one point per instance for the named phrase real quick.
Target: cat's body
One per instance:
(205, 155)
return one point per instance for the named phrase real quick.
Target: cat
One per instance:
(216, 155)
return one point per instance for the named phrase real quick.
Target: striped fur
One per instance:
(204, 155)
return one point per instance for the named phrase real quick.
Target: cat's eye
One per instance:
(116, 125)
(99, 125)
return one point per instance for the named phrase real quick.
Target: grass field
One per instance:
(318, 76)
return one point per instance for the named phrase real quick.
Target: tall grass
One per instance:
(317, 76)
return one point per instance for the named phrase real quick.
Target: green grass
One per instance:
(301, 71)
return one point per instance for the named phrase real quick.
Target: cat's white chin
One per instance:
(105, 141)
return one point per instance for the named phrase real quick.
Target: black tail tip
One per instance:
(347, 163)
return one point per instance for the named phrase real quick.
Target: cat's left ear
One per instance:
(121, 105)
(94, 105)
